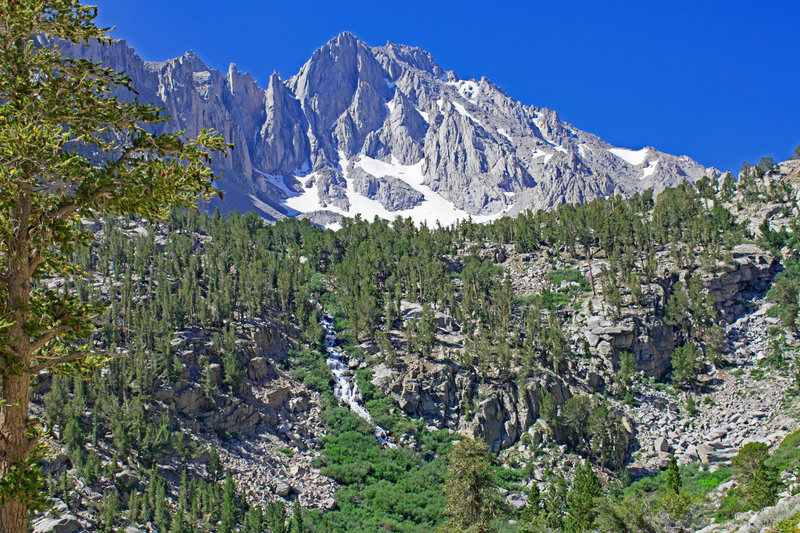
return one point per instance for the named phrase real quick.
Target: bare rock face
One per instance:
(481, 151)
(393, 193)
(281, 142)
(442, 394)
(332, 189)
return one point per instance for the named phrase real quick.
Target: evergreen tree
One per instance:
(763, 490)
(214, 466)
(686, 365)
(70, 148)
(674, 482)
(581, 507)
(275, 517)
(229, 506)
(472, 497)
(298, 522)
(254, 521)
(178, 523)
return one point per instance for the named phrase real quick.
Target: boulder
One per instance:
(127, 478)
(257, 369)
(215, 374)
(276, 397)
(60, 462)
(705, 453)
(282, 489)
(517, 501)
(329, 504)
(595, 381)
(690, 455)
(661, 445)
(64, 524)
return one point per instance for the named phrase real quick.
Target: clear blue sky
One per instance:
(716, 80)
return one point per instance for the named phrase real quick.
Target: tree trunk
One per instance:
(15, 447)
(591, 274)
(15, 443)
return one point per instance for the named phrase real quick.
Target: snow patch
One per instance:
(467, 89)
(434, 208)
(505, 134)
(633, 157)
(424, 115)
(275, 180)
(391, 105)
(463, 112)
(650, 169)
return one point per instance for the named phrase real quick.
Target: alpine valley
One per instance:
(423, 306)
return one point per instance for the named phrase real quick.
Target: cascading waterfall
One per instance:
(345, 387)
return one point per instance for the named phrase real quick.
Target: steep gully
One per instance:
(345, 387)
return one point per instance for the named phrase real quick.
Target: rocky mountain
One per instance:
(386, 131)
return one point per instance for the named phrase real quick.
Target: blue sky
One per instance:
(716, 80)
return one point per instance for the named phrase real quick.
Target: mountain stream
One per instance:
(345, 387)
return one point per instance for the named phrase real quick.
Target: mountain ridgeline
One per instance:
(386, 131)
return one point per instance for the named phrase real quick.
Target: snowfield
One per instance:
(433, 209)
(634, 157)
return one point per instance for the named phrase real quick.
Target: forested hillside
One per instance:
(606, 358)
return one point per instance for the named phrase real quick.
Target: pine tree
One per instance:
(298, 522)
(178, 523)
(214, 466)
(691, 407)
(70, 148)
(763, 489)
(161, 513)
(228, 504)
(674, 482)
(275, 517)
(472, 497)
(581, 508)
(254, 520)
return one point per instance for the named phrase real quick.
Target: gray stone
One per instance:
(257, 369)
(517, 501)
(282, 489)
(479, 149)
(393, 193)
(215, 374)
(64, 524)
(329, 504)
(661, 445)
(127, 478)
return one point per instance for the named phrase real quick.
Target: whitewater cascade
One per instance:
(345, 387)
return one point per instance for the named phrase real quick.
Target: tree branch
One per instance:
(47, 336)
(68, 359)
(69, 208)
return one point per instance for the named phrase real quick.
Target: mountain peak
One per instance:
(386, 131)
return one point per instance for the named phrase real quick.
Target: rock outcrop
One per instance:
(445, 396)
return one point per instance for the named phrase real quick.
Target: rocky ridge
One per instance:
(423, 142)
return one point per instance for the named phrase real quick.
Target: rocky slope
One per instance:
(386, 131)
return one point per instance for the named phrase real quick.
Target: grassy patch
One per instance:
(695, 481)
(568, 274)
(309, 366)
(787, 455)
